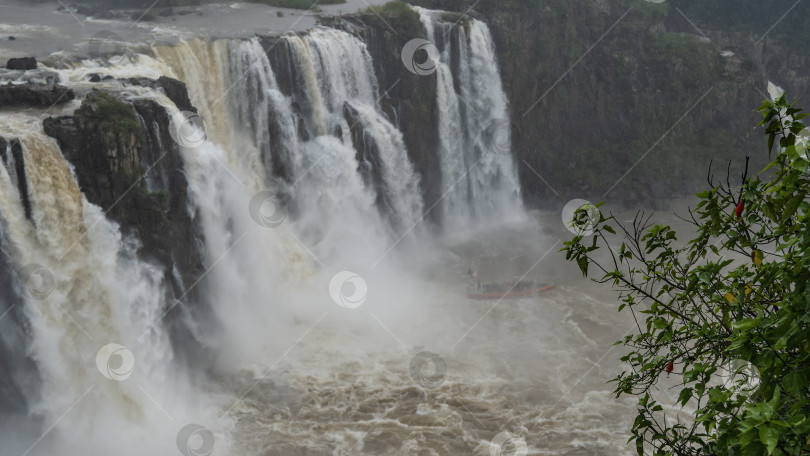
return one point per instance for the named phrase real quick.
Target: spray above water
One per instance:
(115, 362)
(347, 279)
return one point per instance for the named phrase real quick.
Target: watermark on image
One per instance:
(115, 362)
(506, 444)
(105, 43)
(497, 137)
(740, 375)
(580, 217)
(420, 57)
(266, 210)
(195, 440)
(187, 129)
(347, 289)
(38, 281)
(428, 369)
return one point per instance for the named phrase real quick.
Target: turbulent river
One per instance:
(335, 317)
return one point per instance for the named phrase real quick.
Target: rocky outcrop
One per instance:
(32, 88)
(103, 139)
(11, 153)
(22, 63)
(34, 94)
(175, 90)
(126, 163)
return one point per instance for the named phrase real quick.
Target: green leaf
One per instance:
(747, 324)
(791, 208)
(685, 395)
(794, 383)
(800, 424)
(582, 262)
(679, 301)
(769, 436)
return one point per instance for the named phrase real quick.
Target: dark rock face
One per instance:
(177, 92)
(145, 17)
(22, 63)
(410, 102)
(126, 163)
(34, 94)
(641, 116)
(290, 81)
(179, 235)
(11, 154)
(103, 140)
(174, 89)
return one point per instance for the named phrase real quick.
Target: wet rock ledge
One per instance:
(22, 84)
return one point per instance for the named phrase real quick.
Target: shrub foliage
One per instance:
(727, 312)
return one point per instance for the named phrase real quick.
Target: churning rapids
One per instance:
(290, 190)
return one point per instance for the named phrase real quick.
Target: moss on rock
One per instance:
(401, 17)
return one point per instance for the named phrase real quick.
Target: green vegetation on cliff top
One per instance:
(117, 122)
(401, 17)
(113, 114)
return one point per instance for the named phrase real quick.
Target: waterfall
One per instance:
(327, 129)
(479, 177)
(302, 171)
(82, 287)
(342, 91)
(246, 265)
(335, 93)
(399, 185)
